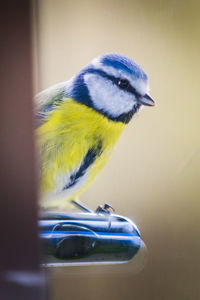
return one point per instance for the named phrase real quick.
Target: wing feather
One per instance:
(48, 96)
(47, 99)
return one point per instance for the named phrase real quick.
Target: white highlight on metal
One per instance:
(73, 264)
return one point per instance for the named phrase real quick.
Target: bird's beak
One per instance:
(146, 100)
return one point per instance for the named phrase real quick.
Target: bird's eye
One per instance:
(123, 83)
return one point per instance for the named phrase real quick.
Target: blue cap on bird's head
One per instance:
(114, 85)
(124, 64)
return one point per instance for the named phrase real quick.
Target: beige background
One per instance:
(153, 175)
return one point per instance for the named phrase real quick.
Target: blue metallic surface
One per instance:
(88, 238)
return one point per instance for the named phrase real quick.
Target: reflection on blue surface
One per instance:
(88, 238)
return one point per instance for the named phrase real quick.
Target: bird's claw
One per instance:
(106, 209)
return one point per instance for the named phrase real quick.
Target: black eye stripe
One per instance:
(129, 88)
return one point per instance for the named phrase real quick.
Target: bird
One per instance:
(80, 120)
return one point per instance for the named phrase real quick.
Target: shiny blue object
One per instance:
(88, 237)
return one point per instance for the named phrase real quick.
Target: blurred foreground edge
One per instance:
(20, 274)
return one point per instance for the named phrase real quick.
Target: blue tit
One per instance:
(80, 121)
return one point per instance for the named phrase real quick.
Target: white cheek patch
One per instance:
(107, 96)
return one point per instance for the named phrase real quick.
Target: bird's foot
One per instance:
(106, 209)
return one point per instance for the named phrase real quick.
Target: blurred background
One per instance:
(153, 175)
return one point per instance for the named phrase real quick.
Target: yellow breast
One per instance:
(65, 137)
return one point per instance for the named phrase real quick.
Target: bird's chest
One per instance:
(89, 143)
(75, 146)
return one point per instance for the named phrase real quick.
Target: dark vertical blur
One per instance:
(20, 277)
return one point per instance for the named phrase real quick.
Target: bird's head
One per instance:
(114, 85)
